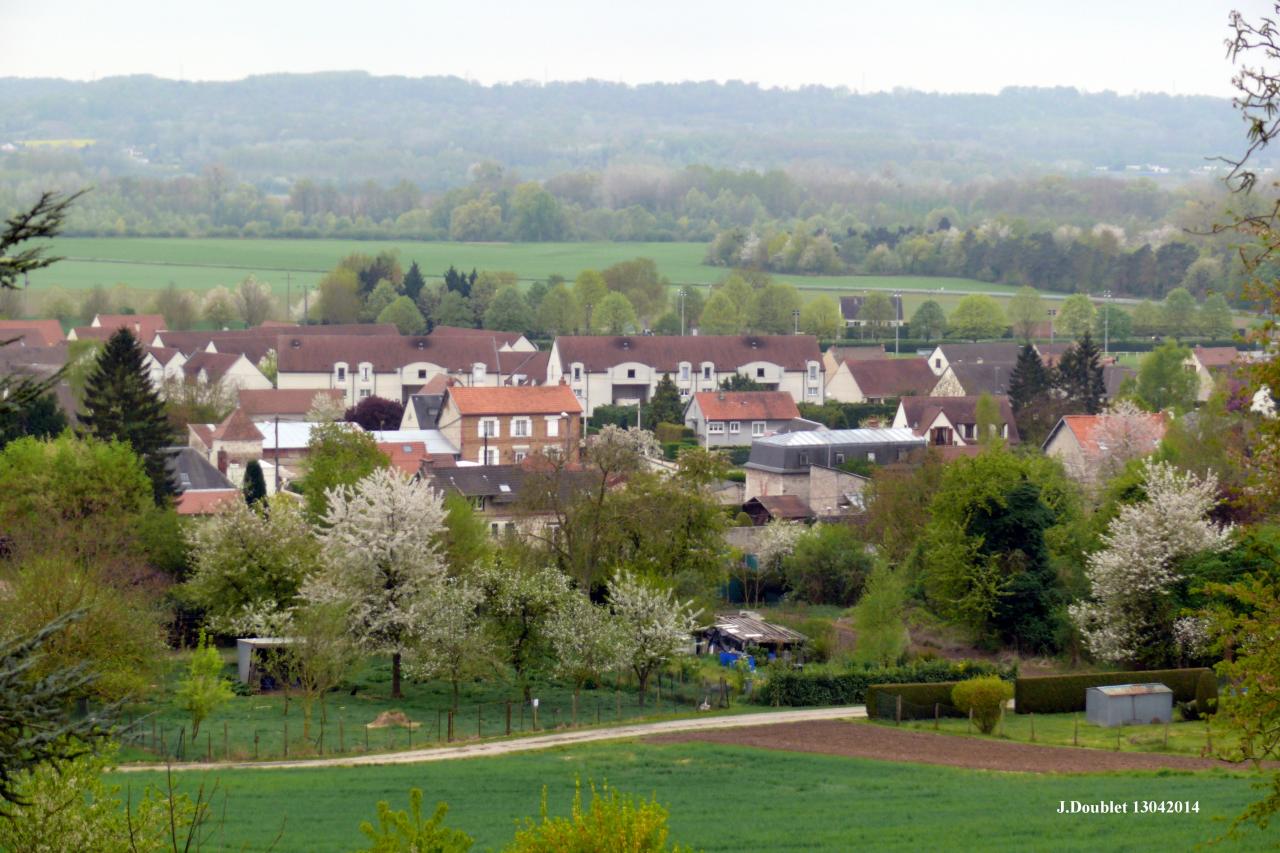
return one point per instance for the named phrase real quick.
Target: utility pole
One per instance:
(795, 316)
(305, 317)
(897, 320)
(681, 292)
(1106, 322)
(288, 296)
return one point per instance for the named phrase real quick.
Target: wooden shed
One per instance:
(733, 632)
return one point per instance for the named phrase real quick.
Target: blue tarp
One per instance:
(731, 658)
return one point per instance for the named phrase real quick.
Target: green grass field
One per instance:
(733, 799)
(199, 264)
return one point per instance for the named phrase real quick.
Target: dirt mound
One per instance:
(387, 719)
(866, 740)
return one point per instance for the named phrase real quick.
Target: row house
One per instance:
(230, 370)
(143, 327)
(625, 370)
(33, 333)
(736, 418)
(396, 367)
(952, 421)
(875, 381)
(505, 426)
(256, 343)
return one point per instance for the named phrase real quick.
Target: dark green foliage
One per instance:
(665, 406)
(918, 701)
(1206, 692)
(738, 382)
(620, 416)
(121, 404)
(669, 432)
(460, 283)
(801, 688)
(1030, 380)
(35, 727)
(40, 222)
(375, 413)
(829, 565)
(1062, 694)
(413, 282)
(834, 415)
(255, 485)
(39, 418)
(1079, 376)
(929, 321)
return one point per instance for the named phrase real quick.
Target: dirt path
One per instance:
(761, 720)
(885, 743)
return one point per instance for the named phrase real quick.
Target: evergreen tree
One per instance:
(41, 418)
(1080, 376)
(121, 404)
(666, 406)
(413, 282)
(1030, 380)
(255, 485)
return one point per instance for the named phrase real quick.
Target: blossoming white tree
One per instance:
(380, 545)
(453, 644)
(654, 624)
(776, 541)
(1132, 576)
(586, 641)
(519, 603)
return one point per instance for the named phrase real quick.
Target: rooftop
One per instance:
(746, 405)
(831, 437)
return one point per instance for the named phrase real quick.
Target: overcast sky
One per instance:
(934, 45)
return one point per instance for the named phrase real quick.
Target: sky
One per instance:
(1125, 46)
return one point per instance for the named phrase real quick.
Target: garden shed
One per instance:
(249, 656)
(734, 632)
(1128, 704)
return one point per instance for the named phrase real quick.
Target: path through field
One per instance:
(527, 744)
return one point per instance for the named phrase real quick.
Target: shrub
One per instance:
(815, 687)
(822, 638)
(1061, 694)
(669, 433)
(737, 475)
(919, 701)
(742, 520)
(610, 822)
(984, 698)
(407, 832)
(1206, 692)
(204, 688)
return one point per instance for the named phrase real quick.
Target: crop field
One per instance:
(730, 798)
(199, 264)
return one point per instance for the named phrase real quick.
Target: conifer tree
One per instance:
(665, 407)
(255, 485)
(1080, 376)
(413, 282)
(121, 404)
(1030, 380)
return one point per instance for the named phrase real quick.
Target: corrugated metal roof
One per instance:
(1132, 689)
(747, 625)
(825, 437)
(433, 439)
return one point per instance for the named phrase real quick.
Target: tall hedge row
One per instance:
(918, 700)
(1060, 694)
(801, 688)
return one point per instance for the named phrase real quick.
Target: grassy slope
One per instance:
(734, 798)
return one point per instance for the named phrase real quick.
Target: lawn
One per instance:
(1182, 738)
(256, 727)
(734, 799)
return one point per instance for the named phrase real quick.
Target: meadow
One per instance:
(730, 798)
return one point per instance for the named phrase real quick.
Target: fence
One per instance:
(338, 733)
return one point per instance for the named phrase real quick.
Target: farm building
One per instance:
(1128, 704)
(733, 632)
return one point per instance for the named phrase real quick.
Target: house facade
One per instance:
(952, 421)
(503, 495)
(230, 370)
(875, 381)
(735, 418)
(781, 464)
(505, 426)
(1092, 448)
(947, 354)
(625, 370)
(1209, 364)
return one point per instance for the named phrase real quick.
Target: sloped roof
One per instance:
(44, 333)
(921, 412)
(143, 326)
(1090, 431)
(282, 401)
(1113, 376)
(784, 506)
(892, 377)
(33, 360)
(387, 354)
(978, 353)
(542, 400)
(531, 365)
(189, 469)
(747, 625)
(503, 338)
(163, 355)
(746, 405)
(408, 449)
(237, 427)
(214, 364)
(1051, 354)
(1212, 357)
(665, 352)
(504, 484)
(983, 378)
(255, 343)
(207, 501)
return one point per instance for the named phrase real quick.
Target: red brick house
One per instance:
(504, 426)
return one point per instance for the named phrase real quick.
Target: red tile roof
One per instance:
(541, 400)
(664, 353)
(47, 333)
(406, 456)
(1217, 356)
(164, 355)
(237, 427)
(282, 401)
(206, 501)
(746, 405)
(319, 353)
(892, 377)
(143, 326)
(1090, 431)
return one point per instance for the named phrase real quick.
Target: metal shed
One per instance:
(247, 669)
(1128, 704)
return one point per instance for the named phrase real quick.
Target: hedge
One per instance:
(918, 700)
(1060, 694)
(800, 688)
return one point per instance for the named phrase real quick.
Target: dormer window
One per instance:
(813, 371)
(706, 371)
(340, 371)
(759, 373)
(577, 373)
(684, 372)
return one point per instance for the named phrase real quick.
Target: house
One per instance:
(1094, 447)
(973, 379)
(230, 370)
(163, 364)
(506, 341)
(411, 449)
(505, 426)
(735, 632)
(835, 354)
(951, 421)
(624, 370)
(254, 344)
(878, 381)
(143, 327)
(34, 333)
(201, 488)
(851, 309)
(1209, 364)
(503, 495)
(396, 367)
(289, 405)
(766, 508)
(946, 354)
(781, 464)
(835, 493)
(734, 418)
(422, 410)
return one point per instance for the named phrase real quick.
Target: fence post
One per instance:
(286, 738)
(969, 729)
(597, 710)
(508, 717)
(1033, 727)
(409, 725)
(535, 716)
(366, 737)
(320, 743)
(479, 730)
(617, 699)
(255, 744)
(226, 749)
(898, 710)
(936, 714)
(450, 714)
(575, 708)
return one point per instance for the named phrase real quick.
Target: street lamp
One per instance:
(681, 292)
(1106, 322)
(795, 316)
(897, 319)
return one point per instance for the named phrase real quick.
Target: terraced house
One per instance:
(506, 426)
(607, 370)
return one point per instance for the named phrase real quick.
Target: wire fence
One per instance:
(333, 732)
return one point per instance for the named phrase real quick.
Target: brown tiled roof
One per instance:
(1217, 356)
(318, 353)
(206, 501)
(542, 400)
(976, 353)
(164, 355)
(490, 480)
(920, 412)
(282, 401)
(255, 343)
(44, 333)
(204, 432)
(1051, 354)
(531, 365)
(784, 506)
(746, 405)
(237, 427)
(143, 326)
(984, 378)
(844, 353)
(665, 352)
(507, 338)
(214, 364)
(1114, 375)
(892, 377)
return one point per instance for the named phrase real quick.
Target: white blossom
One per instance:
(776, 541)
(1191, 635)
(655, 624)
(586, 639)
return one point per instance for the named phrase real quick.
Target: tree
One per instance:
(269, 366)
(337, 455)
(640, 282)
(1076, 316)
(589, 289)
(1215, 318)
(1148, 319)
(41, 418)
(586, 641)
(218, 308)
(509, 312)
(413, 282)
(1030, 382)
(409, 832)
(1163, 380)
(465, 542)
(382, 295)
(877, 311)
(339, 297)
(1079, 376)
(721, 315)
(325, 408)
(248, 565)
(989, 422)
(1112, 323)
(322, 654)
(454, 310)
(203, 689)
(404, 315)
(739, 382)
(828, 565)
(1026, 312)
(879, 618)
(558, 313)
(478, 219)
(375, 413)
(984, 697)
(536, 215)
(771, 309)
(520, 600)
(1180, 314)
(655, 624)
(665, 407)
(821, 318)
(254, 302)
(386, 572)
(255, 485)
(610, 822)
(977, 316)
(929, 321)
(179, 307)
(614, 315)
(454, 643)
(775, 543)
(121, 404)
(1128, 617)
(42, 221)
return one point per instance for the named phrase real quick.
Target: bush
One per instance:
(406, 832)
(919, 701)
(822, 638)
(1206, 692)
(1062, 694)
(669, 433)
(814, 687)
(984, 698)
(736, 476)
(610, 822)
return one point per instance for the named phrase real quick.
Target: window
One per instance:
(684, 373)
(804, 458)
(871, 456)
(759, 373)
(364, 373)
(478, 502)
(734, 427)
(813, 372)
(715, 427)
(489, 428)
(520, 455)
(342, 372)
(577, 373)
(839, 458)
(706, 371)
(553, 427)
(422, 373)
(364, 392)
(811, 392)
(489, 456)
(494, 528)
(937, 362)
(521, 427)
(631, 373)
(757, 427)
